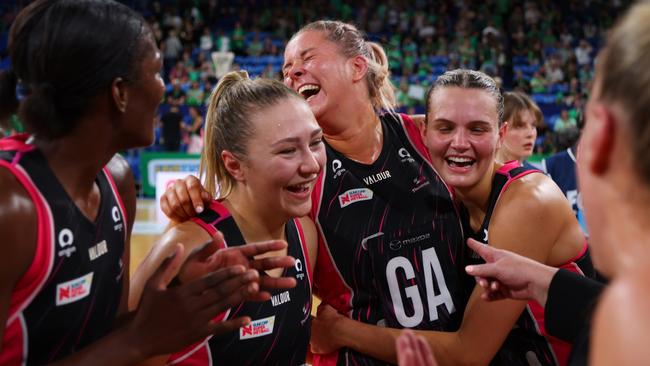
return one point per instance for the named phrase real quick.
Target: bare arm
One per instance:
(18, 227)
(485, 324)
(192, 238)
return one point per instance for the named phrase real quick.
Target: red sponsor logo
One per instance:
(355, 195)
(73, 290)
(257, 328)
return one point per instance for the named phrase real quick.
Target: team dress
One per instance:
(528, 342)
(391, 242)
(70, 294)
(280, 328)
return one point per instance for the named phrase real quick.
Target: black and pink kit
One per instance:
(391, 242)
(527, 343)
(280, 328)
(70, 294)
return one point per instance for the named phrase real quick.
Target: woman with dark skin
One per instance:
(67, 201)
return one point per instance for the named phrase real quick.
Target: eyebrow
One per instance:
(443, 120)
(296, 139)
(302, 54)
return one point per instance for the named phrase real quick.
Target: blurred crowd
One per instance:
(543, 48)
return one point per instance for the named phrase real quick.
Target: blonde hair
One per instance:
(351, 43)
(227, 123)
(625, 78)
(516, 102)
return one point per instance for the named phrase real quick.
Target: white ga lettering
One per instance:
(432, 272)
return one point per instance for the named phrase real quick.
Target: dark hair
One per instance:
(467, 79)
(227, 124)
(64, 53)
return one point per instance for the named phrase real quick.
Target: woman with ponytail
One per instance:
(389, 230)
(67, 200)
(264, 151)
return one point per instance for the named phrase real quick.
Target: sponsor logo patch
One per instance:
(117, 219)
(405, 156)
(66, 239)
(257, 328)
(337, 168)
(355, 195)
(74, 290)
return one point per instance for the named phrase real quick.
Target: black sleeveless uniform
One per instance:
(69, 296)
(280, 328)
(391, 245)
(528, 342)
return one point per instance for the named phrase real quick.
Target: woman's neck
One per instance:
(358, 134)
(75, 160)
(504, 157)
(255, 223)
(477, 198)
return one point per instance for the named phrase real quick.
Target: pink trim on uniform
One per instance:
(305, 250)
(14, 345)
(30, 284)
(210, 227)
(560, 349)
(583, 251)
(205, 226)
(317, 193)
(219, 208)
(16, 143)
(414, 136)
(325, 271)
(196, 355)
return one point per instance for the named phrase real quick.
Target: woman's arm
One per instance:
(18, 225)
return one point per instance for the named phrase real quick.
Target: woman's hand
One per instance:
(324, 330)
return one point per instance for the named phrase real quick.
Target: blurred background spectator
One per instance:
(544, 48)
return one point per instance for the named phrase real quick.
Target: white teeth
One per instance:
(460, 160)
(308, 87)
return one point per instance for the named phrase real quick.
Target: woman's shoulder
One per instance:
(18, 225)
(534, 190)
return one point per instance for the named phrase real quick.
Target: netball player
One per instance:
(379, 205)
(522, 116)
(67, 202)
(506, 205)
(614, 179)
(265, 149)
